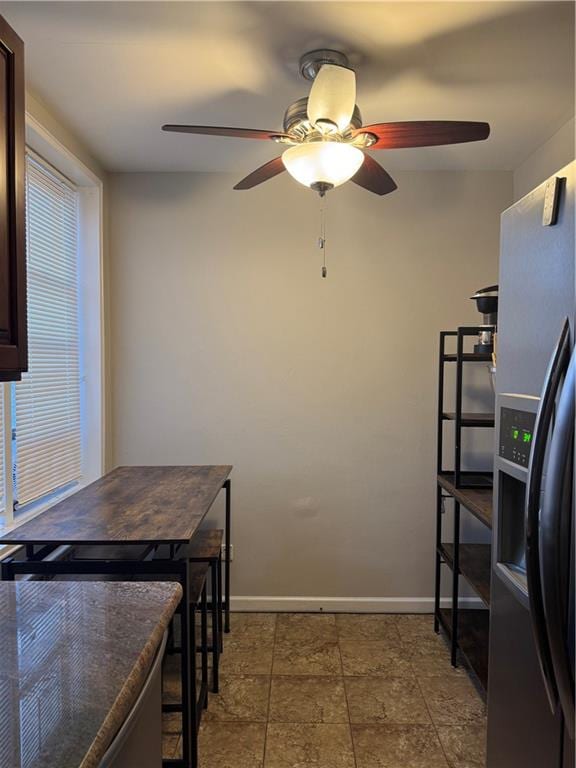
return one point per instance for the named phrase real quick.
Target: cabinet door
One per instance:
(13, 341)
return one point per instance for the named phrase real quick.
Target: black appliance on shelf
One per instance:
(487, 303)
(531, 655)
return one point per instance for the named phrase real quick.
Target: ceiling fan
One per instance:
(325, 138)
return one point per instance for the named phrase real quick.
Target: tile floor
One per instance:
(337, 691)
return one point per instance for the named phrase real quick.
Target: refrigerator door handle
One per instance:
(556, 369)
(556, 532)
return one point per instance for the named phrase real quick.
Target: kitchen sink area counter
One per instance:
(75, 658)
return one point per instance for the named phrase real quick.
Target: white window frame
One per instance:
(91, 302)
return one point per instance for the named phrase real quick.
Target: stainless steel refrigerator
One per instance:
(531, 663)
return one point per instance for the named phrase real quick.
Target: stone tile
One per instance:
(261, 625)
(452, 700)
(231, 745)
(310, 657)
(308, 700)
(430, 656)
(397, 746)
(305, 626)
(385, 700)
(247, 655)
(308, 746)
(415, 625)
(170, 745)
(242, 698)
(427, 642)
(375, 657)
(464, 745)
(366, 626)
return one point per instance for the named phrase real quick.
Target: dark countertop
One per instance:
(73, 659)
(136, 505)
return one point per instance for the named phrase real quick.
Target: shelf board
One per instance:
(469, 357)
(478, 501)
(475, 566)
(473, 629)
(471, 419)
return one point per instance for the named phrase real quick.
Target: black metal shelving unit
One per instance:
(467, 628)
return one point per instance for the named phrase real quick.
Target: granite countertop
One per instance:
(73, 659)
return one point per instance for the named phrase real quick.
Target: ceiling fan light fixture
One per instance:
(320, 163)
(327, 136)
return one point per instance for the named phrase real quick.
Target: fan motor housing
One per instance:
(296, 116)
(311, 62)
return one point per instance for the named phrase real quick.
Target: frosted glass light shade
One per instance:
(322, 162)
(333, 96)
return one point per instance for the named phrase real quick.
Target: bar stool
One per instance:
(206, 547)
(197, 601)
(198, 573)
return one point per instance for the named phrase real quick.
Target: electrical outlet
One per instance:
(231, 552)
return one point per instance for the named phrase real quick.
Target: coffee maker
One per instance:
(487, 303)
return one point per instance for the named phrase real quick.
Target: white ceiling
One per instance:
(116, 71)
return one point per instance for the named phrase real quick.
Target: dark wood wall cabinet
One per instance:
(13, 332)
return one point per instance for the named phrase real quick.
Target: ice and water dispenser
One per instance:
(517, 416)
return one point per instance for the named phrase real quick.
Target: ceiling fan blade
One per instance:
(332, 96)
(373, 177)
(236, 133)
(265, 172)
(424, 133)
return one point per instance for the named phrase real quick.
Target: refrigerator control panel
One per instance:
(516, 434)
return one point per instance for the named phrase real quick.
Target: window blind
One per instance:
(47, 453)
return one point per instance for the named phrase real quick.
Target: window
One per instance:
(47, 446)
(50, 433)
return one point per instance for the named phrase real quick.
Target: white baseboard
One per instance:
(344, 604)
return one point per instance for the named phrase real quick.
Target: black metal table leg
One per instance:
(204, 646)
(188, 673)
(214, 606)
(228, 531)
(220, 606)
(195, 704)
(7, 570)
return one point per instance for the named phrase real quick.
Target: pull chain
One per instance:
(322, 238)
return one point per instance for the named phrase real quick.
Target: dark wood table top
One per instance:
(134, 505)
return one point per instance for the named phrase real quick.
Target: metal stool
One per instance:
(198, 600)
(206, 547)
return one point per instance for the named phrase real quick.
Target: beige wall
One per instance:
(554, 154)
(227, 346)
